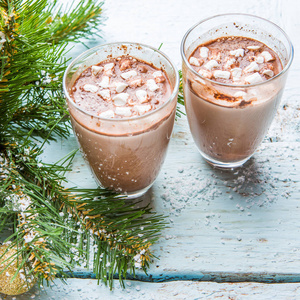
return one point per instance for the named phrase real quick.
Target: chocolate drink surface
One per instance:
(227, 122)
(121, 91)
(235, 60)
(120, 88)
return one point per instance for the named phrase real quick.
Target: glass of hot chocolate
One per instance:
(122, 102)
(234, 71)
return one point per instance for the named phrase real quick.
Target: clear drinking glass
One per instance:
(227, 135)
(125, 155)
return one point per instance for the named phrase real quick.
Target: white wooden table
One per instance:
(231, 234)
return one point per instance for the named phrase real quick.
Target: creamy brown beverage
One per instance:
(234, 71)
(123, 121)
(228, 126)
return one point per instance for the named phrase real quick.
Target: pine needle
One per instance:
(55, 229)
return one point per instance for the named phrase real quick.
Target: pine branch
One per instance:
(180, 99)
(53, 229)
(75, 24)
(31, 44)
(121, 233)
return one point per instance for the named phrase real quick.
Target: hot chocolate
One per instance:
(227, 126)
(232, 85)
(122, 111)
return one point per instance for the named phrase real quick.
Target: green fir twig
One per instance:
(180, 99)
(54, 229)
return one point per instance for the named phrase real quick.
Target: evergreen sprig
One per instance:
(53, 228)
(180, 99)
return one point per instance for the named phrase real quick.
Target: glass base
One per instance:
(139, 193)
(224, 165)
(128, 195)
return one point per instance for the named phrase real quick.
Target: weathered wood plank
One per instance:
(241, 224)
(89, 290)
(244, 221)
(224, 226)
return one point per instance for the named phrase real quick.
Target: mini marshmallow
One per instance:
(142, 96)
(108, 67)
(136, 82)
(197, 80)
(211, 64)
(157, 74)
(236, 79)
(221, 74)
(152, 86)
(90, 88)
(267, 56)
(120, 86)
(194, 62)
(253, 78)
(123, 111)
(125, 64)
(252, 67)
(259, 59)
(129, 74)
(141, 109)
(96, 70)
(236, 72)
(204, 73)
(229, 63)
(104, 82)
(245, 96)
(253, 47)
(160, 79)
(107, 114)
(131, 102)
(216, 56)
(241, 94)
(238, 52)
(204, 52)
(105, 94)
(121, 99)
(269, 73)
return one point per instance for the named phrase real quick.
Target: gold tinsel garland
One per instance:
(10, 282)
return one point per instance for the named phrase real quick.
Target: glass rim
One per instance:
(126, 119)
(286, 67)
